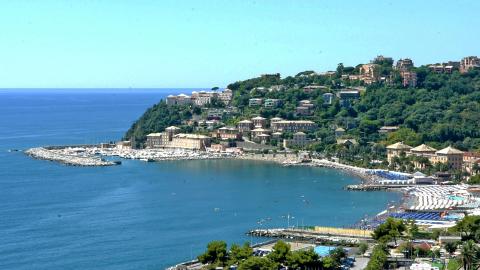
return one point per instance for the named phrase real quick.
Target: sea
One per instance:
(142, 215)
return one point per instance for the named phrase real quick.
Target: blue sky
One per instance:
(212, 43)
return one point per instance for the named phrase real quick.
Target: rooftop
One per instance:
(449, 151)
(399, 146)
(245, 121)
(296, 121)
(191, 136)
(423, 148)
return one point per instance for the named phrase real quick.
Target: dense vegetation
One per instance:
(217, 255)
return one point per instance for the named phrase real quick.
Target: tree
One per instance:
(474, 180)
(390, 229)
(329, 263)
(451, 247)
(238, 254)
(378, 259)
(470, 252)
(302, 259)
(279, 252)
(216, 253)
(468, 227)
(340, 68)
(362, 248)
(257, 263)
(338, 254)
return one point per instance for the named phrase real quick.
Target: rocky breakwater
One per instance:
(70, 156)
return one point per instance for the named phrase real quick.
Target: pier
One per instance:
(373, 187)
(68, 156)
(319, 235)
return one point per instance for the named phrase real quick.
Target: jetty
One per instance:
(318, 235)
(69, 156)
(368, 187)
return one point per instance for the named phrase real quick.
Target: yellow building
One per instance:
(190, 141)
(422, 150)
(450, 156)
(183, 141)
(396, 149)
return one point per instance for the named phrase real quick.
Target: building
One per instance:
(404, 64)
(259, 122)
(263, 138)
(422, 150)
(293, 126)
(181, 99)
(228, 133)
(471, 162)
(301, 110)
(397, 149)
(255, 102)
(305, 107)
(306, 103)
(190, 141)
(172, 130)
(123, 145)
(387, 129)
(202, 98)
(347, 142)
(468, 63)
(299, 140)
(381, 58)
(157, 140)
(409, 78)
(245, 126)
(277, 88)
(225, 96)
(347, 96)
(276, 135)
(441, 68)
(339, 132)
(275, 119)
(272, 103)
(327, 98)
(259, 131)
(368, 73)
(313, 87)
(218, 147)
(450, 156)
(172, 139)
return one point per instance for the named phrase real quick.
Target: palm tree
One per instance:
(469, 255)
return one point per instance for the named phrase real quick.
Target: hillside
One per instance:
(442, 109)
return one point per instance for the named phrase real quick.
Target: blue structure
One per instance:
(417, 216)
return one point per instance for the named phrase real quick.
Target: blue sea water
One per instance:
(141, 215)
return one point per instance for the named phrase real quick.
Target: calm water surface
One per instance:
(140, 215)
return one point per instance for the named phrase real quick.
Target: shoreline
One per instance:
(93, 155)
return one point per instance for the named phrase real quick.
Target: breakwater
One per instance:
(68, 156)
(330, 236)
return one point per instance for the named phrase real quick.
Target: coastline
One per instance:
(93, 155)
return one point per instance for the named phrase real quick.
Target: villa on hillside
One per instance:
(299, 140)
(293, 126)
(200, 99)
(449, 155)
